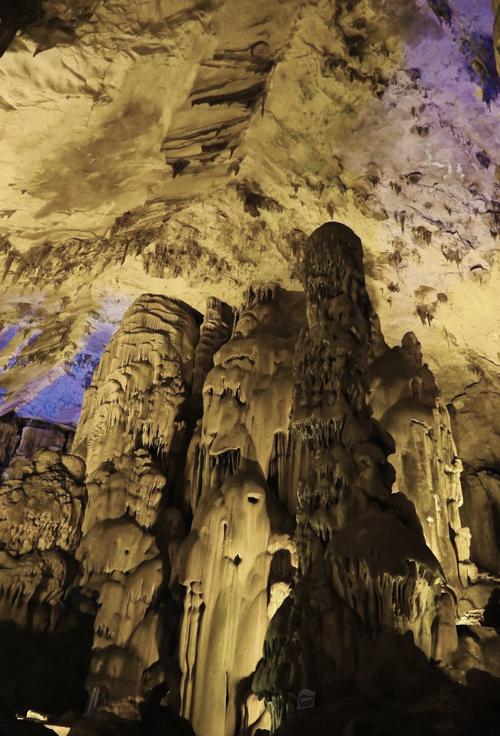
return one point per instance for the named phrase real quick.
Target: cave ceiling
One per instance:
(189, 148)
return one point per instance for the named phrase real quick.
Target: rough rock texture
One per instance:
(131, 421)
(198, 142)
(41, 503)
(42, 498)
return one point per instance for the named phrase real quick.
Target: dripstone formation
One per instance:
(237, 551)
(131, 422)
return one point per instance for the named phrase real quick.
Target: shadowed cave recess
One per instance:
(249, 368)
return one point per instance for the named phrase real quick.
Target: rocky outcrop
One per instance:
(23, 437)
(476, 426)
(41, 509)
(41, 503)
(481, 492)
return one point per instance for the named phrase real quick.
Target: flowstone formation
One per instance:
(226, 541)
(364, 566)
(130, 430)
(239, 529)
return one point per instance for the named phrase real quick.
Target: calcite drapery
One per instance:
(131, 420)
(238, 527)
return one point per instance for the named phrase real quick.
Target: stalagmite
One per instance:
(362, 554)
(130, 430)
(238, 526)
(407, 403)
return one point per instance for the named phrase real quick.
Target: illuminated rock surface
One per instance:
(239, 460)
(131, 420)
(228, 523)
(184, 148)
(238, 526)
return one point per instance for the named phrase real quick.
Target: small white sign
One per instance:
(306, 699)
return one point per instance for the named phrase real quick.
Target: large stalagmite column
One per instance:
(345, 497)
(363, 562)
(131, 419)
(238, 526)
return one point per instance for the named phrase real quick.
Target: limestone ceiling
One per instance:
(187, 148)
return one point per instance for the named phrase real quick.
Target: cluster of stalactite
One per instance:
(237, 528)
